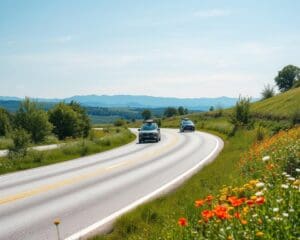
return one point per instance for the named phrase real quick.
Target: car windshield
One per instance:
(187, 122)
(148, 127)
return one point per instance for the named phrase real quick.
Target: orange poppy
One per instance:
(182, 222)
(199, 203)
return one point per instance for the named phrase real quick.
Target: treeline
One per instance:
(32, 123)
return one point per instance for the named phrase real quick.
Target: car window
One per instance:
(149, 127)
(187, 122)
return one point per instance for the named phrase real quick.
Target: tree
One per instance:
(267, 92)
(84, 121)
(5, 122)
(170, 112)
(186, 111)
(69, 120)
(180, 110)
(211, 108)
(34, 120)
(288, 77)
(146, 114)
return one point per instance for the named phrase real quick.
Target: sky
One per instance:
(171, 48)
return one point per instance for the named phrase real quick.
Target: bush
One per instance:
(120, 122)
(268, 92)
(21, 139)
(241, 112)
(296, 117)
(260, 133)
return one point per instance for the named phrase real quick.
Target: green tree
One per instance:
(267, 92)
(170, 112)
(5, 122)
(211, 108)
(186, 111)
(288, 77)
(84, 120)
(34, 120)
(180, 110)
(146, 114)
(66, 121)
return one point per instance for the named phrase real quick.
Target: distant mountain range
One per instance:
(132, 101)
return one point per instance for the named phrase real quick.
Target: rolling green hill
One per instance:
(281, 106)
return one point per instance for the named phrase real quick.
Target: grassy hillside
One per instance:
(282, 106)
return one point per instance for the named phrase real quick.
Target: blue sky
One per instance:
(186, 48)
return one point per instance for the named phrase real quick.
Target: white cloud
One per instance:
(212, 13)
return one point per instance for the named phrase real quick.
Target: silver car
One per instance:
(149, 132)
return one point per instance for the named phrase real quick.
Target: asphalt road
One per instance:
(88, 193)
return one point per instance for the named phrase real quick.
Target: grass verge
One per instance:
(98, 141)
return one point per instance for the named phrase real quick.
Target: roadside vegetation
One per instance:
(97, 141)
(251, 190)
(66, 124)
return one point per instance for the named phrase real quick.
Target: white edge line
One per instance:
(120, 212)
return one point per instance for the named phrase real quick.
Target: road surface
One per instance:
(88, 193)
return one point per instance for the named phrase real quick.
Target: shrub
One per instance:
(241, 113)
(268, 92)
(5, 123)
(119, 122)
(21, 139)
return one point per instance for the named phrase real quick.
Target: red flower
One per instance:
(237, 215)
(250, 202)
(235, 202)
(182, 222)
(207, 214)
(209, 198)
(260, 200)
(221, 212)
(199, 203)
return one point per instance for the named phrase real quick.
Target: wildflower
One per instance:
(235, 202)
(207, 214)
(291, 210)
(266, 158)
(259, 234)
(244, 222)
(182, 222)
(254, 215)
(285, 214)
(237, 215)
(258, 194)
(297, 169)
(259, 221)
(279, 200)
(250, 202)
(291, 179)
(221, 212)
(199, 203)
(260, 200)
(209, 198)
(275, 209)
(285, 186)
(260, 185)
(230, 238)
(56, 221)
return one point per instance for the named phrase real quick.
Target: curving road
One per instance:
(88, 193)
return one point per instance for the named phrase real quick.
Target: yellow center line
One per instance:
(73, 180)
